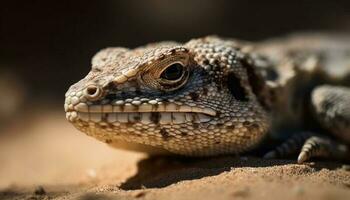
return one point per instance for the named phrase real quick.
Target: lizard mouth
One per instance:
(163, 113)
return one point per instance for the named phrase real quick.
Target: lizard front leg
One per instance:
(331, 107)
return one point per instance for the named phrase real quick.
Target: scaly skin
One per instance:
(195, 115)
(209, 96)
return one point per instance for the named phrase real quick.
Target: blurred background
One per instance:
(45, 46)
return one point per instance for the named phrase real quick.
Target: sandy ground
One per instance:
(44, 157)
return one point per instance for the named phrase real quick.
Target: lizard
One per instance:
(213, 96)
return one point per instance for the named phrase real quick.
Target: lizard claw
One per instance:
(302, 157)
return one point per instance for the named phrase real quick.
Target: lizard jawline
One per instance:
(142, 117)
(143, 108)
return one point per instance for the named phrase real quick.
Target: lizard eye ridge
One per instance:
(173, 72)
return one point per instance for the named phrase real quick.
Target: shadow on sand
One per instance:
(160, 171)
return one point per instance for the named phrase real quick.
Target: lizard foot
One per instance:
(318, 146)
(289, 147)
(310, 145)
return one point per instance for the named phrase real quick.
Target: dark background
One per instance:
(47, 45)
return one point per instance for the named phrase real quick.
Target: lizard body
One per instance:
(210, 96)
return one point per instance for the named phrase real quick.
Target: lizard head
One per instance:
(192, 99)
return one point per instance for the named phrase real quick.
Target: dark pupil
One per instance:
(173, 72)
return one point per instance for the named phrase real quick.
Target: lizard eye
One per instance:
(173, 72)
(169, 73)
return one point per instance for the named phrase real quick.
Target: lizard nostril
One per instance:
(93, 92)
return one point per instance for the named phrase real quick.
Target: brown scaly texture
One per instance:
(208, 96)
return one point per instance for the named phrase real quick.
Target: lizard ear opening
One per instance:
(235, 87)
